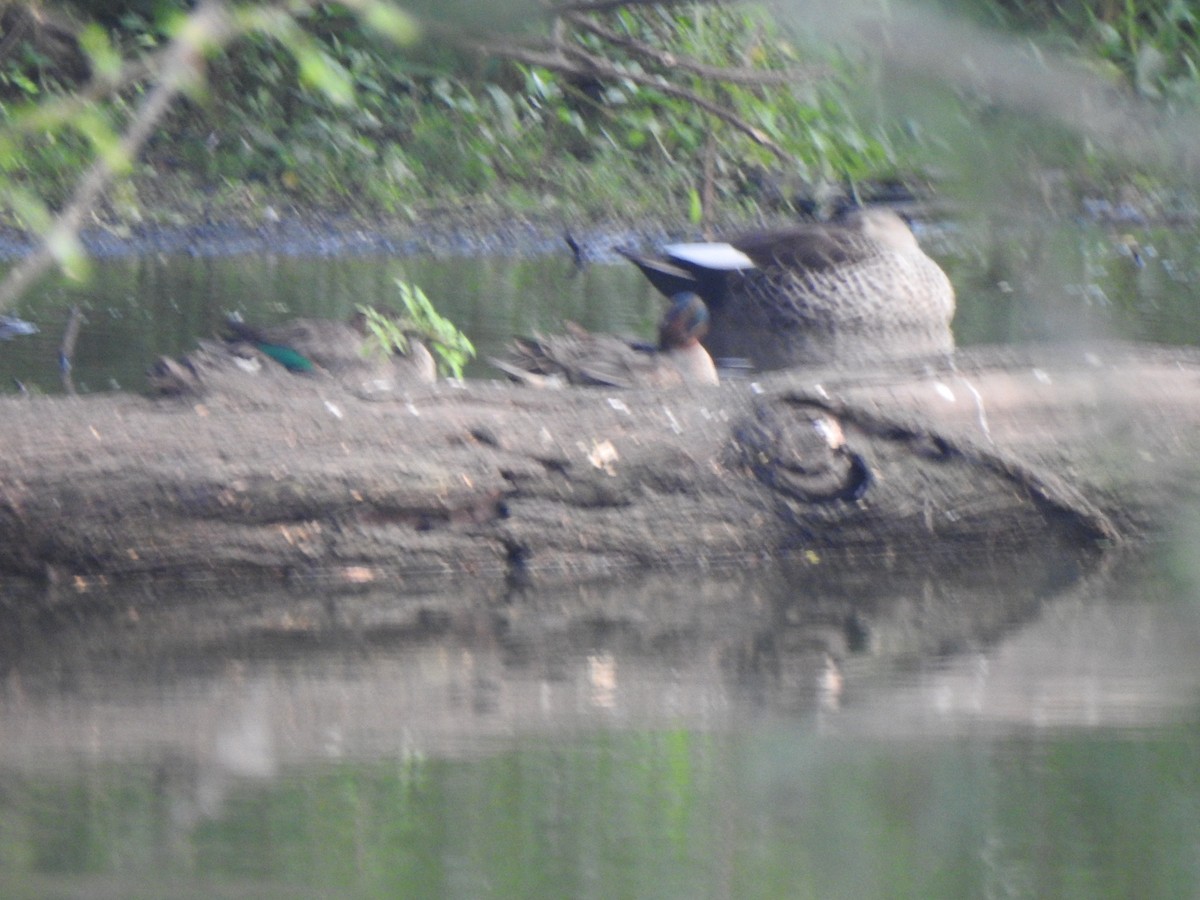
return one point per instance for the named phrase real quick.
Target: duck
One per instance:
(580, 357)
(857, 287)
(256, 360)
(314, 346)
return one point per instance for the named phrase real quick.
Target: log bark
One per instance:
(302, 481)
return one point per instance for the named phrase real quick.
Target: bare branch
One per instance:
(208, 23)
(600, 6)
(576, 61)
(733, 75)
(548, 57)
(603, 69)
(558, 55)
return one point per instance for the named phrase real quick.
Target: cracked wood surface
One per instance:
(443, 484)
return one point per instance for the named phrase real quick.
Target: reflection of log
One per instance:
(438, 673)
(492, 482)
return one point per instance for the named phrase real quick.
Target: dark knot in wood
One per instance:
(799, 450)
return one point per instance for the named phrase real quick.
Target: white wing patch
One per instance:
(716, 256)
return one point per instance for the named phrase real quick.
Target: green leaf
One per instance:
(325, 74)
(450, 347)
(391, 22)
(26, 85)
(107, 143)
(104, 58)
(68, 252)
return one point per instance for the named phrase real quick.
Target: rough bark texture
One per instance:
(297, 479)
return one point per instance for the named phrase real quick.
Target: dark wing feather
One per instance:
(577, 356)
(812, 247)
(668, 279)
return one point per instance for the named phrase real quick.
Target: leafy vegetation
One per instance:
(1151, 45)
(665, 111)
(527, 136)
(321, 111)
(390, 331)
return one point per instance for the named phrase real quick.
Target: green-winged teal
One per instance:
(857, 288)
(308, 345)
(582, 358)
(248, 361)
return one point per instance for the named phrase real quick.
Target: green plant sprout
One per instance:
(389, 331)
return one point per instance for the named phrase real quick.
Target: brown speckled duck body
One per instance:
(333, 346)
(579, 357)
(856, 289)
(260, 361)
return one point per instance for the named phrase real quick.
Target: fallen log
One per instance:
(301, 480)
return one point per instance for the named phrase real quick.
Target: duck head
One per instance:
(883, 226)
(685, 323)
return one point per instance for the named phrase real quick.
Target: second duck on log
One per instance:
(582, 358)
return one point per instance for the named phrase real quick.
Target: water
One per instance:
(1015, 283)
(719, 753)
(140, 307)
(1012, 731)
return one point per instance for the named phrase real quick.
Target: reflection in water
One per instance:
(1122, 663)
(1038, 281)
(787, 732)
(602, 674)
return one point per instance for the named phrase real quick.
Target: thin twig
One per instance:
(66, 348)
(708, 189)
(576, 61)
(596, 66)
(732, 75)
(599, 6)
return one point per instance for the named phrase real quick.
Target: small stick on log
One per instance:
(577, 252)
(66, 349)
(708, 193)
